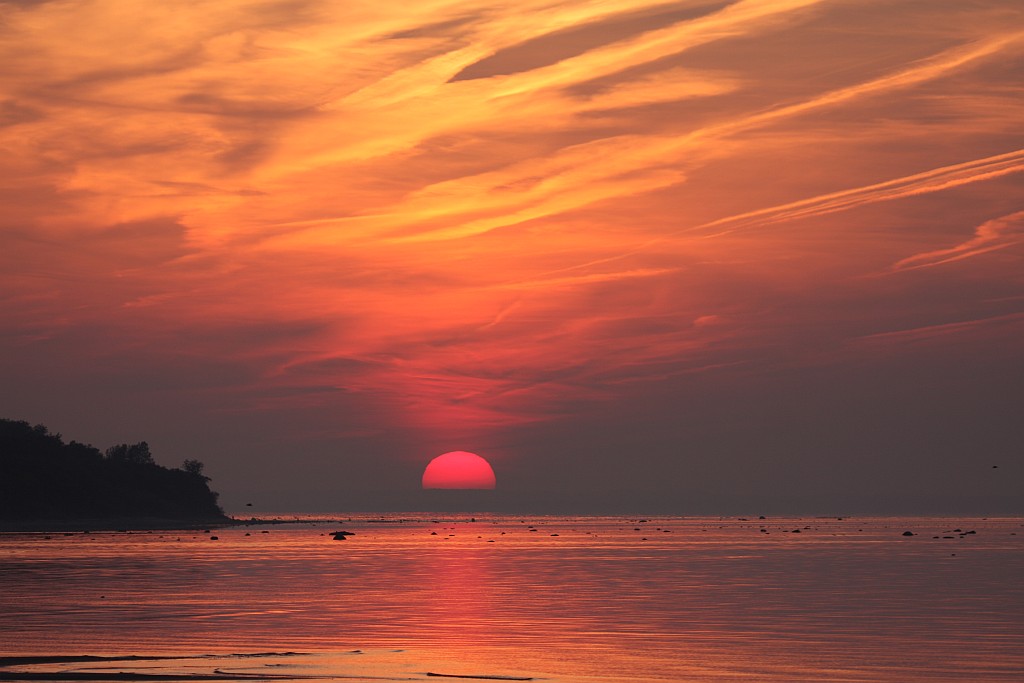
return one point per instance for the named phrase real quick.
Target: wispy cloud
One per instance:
(494, 212)
(999, 233)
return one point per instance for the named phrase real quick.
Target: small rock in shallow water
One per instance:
(908, 533)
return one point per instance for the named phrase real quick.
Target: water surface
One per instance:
(561, 599)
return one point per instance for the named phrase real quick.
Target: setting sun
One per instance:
(458, 470)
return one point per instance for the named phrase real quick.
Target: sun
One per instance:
(458, 470)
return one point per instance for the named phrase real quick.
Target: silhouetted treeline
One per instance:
(41, 477)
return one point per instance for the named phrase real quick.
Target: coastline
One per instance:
(90, 524)
(107, 524)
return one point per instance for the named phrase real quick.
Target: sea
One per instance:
(476, 596)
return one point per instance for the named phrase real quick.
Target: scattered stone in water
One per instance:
(908, 533)
(214, 538)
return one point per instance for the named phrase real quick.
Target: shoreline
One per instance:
(106, 524)
(115, 524)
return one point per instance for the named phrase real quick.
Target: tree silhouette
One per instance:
(41, 477)
(195, 468)
(137, 453)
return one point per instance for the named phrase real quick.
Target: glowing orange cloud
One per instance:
(474, 214)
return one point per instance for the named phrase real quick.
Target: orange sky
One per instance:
(389, 231)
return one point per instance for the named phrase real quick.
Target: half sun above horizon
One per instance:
(458, 470)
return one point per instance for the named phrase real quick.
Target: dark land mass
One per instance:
(46, 484)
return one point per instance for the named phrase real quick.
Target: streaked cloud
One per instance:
(466, 216)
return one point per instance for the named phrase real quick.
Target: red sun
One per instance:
(458, 470)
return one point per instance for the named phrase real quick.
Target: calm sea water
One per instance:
(558, 599)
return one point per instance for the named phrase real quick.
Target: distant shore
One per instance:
(113, 524)
(129, 524)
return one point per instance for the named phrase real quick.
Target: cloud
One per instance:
(572, 41)
(998, 233)
(462, 217)
(933, 180)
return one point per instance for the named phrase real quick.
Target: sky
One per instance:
(713, 257)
